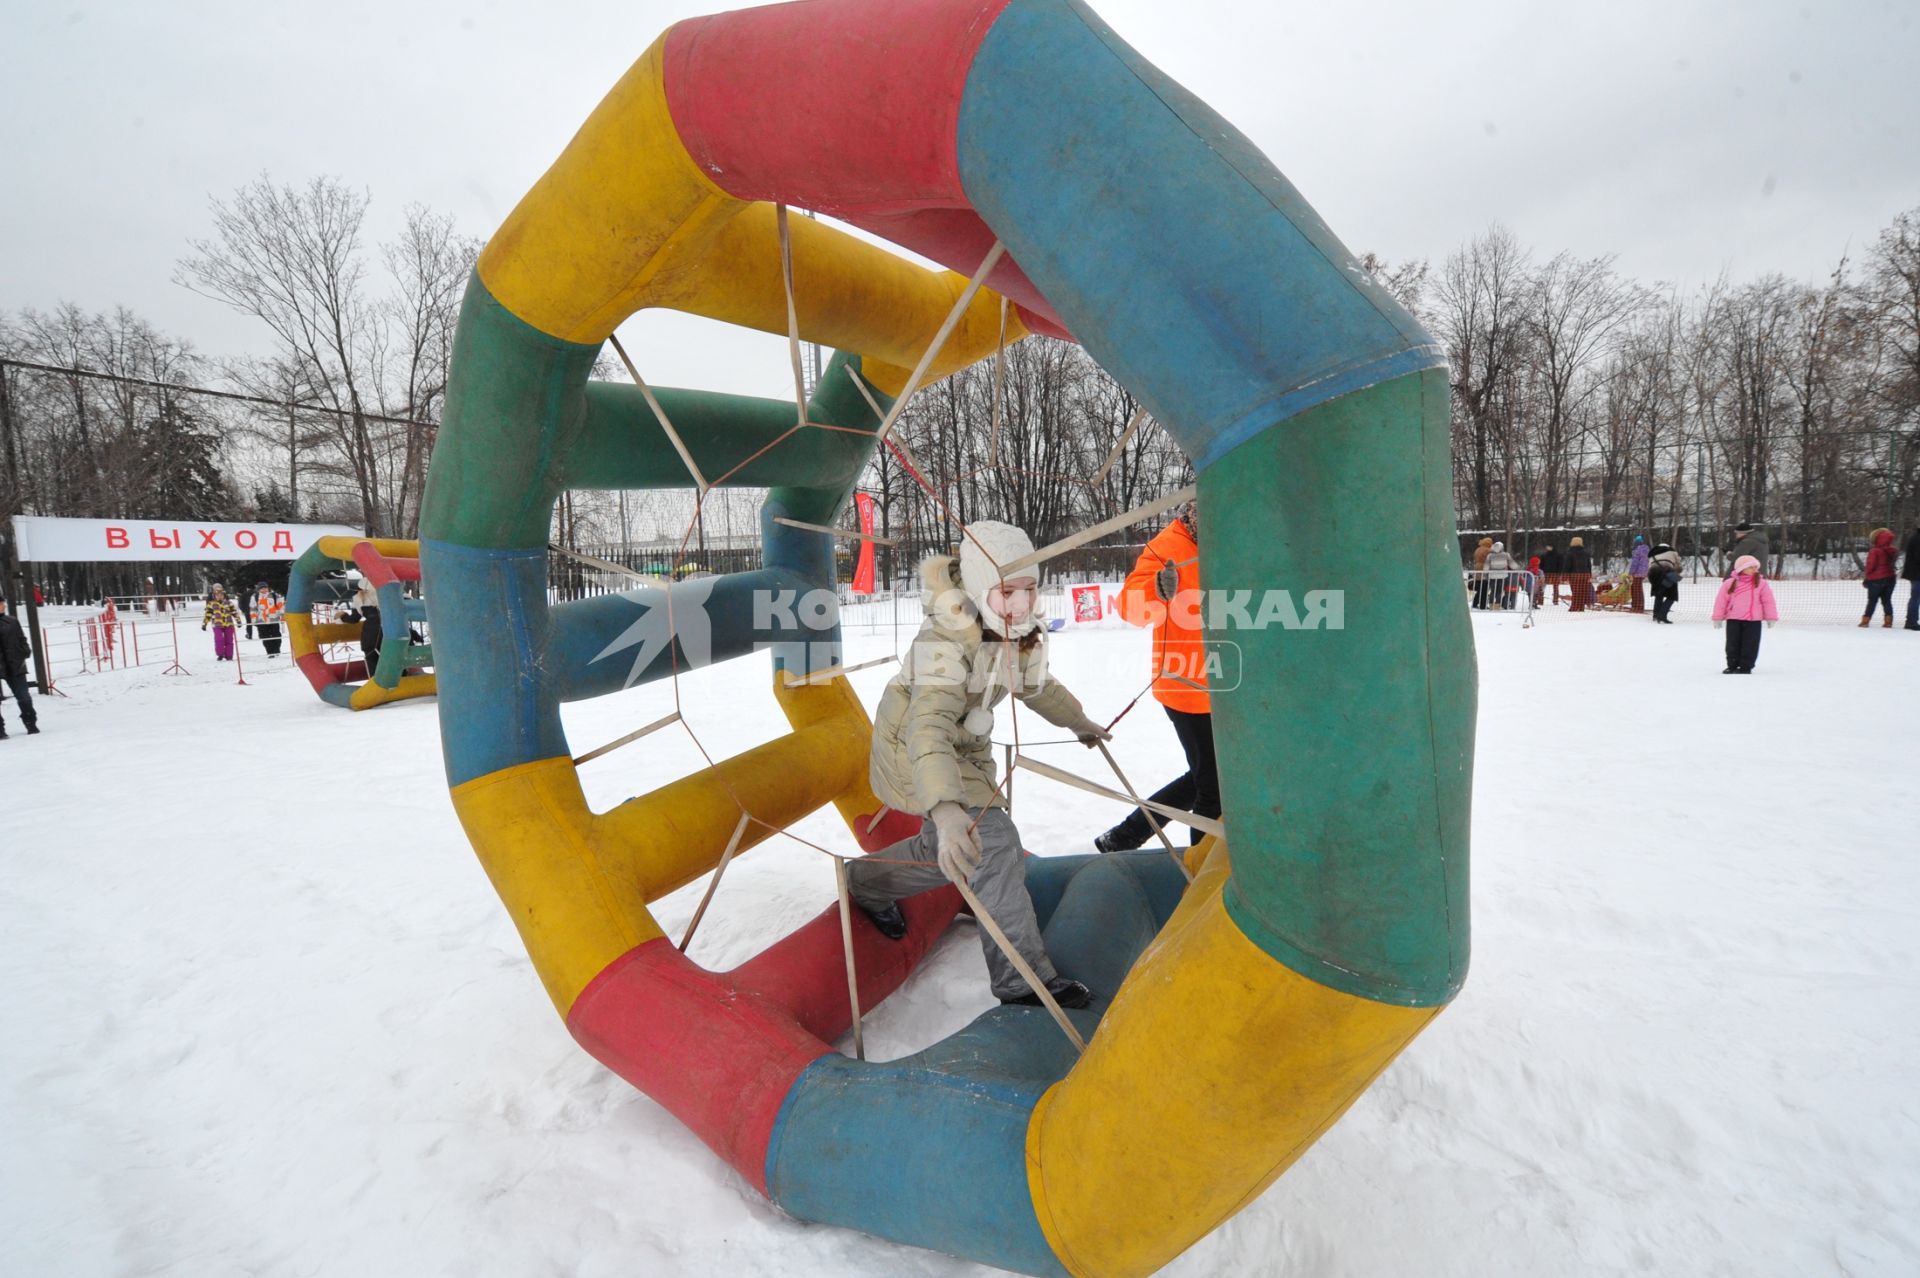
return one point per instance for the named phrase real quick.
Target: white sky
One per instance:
(1685, 137)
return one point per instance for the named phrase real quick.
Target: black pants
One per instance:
(270, 637)
(1880, 591)
(1663, 604)
(22, 688)
(1743, 645)
(1196, 790)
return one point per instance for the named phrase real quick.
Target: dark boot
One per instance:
(1065, 992)
(892, 921)
(1114, 840)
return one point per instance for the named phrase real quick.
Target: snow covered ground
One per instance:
(263, 1014)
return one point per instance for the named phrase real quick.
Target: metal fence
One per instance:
(1814, 601)
(1796, 551)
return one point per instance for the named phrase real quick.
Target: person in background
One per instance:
(1911, 571)
(1748, 540)
(1743, 603)
(1663, 574)
(265, 610)
(1163, 591)
(1537, 577)
(1500, 566)
(932, 753)
(15, 652)
(1480, 553)
(1579, 572)
(1637, 569)
(1880, 576)
(365, 609)
(1551, 566)
(223, 617)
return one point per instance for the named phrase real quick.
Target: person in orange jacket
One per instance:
(1163, 591)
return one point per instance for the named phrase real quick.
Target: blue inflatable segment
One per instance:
(808, 557)
(945, 1129)
(1214, 357)
(602, 645)
(493, 713)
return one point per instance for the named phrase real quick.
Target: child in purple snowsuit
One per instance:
(223, 617)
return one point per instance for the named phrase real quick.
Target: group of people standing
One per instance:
(1881, 577)
(261, 613)
(1744, 603)
(1498, 580)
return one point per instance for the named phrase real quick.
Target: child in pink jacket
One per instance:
(1743, 602)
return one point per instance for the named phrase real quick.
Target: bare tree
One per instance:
(1481, 301)
(1575, 308)
(1894, 287)
(430, 264)
(291, 258)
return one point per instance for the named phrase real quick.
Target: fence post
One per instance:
(176, 667)
(1699, 500)
(44, 660)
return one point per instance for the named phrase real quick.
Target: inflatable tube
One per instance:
(387, 565)
(1237, 1020)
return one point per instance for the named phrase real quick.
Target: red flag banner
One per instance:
(863, 570)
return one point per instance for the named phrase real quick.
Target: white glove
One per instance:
(1770, 625)
(1718, 624)
(1089, 732)
(959, 843)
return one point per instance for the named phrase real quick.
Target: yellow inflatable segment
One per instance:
(1112, 1183)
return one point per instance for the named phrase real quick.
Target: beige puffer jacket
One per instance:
(923, 752)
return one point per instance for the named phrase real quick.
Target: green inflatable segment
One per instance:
(523, 424)
(621, 443)
(515, 401)
(1350, 830)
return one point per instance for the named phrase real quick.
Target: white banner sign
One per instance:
(1090, 603)
(43, 540)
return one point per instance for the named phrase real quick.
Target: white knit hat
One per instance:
(985, 546)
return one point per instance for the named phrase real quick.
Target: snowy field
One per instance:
(264, 1014)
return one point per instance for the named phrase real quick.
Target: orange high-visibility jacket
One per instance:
(268, 609)
(1179, 651)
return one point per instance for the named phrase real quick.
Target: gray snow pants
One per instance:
(1000, 883)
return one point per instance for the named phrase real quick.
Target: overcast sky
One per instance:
(1686, 138)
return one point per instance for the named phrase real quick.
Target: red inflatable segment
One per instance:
(722, 1050)
(719, 1062)
(889, 830)
(323, 674)
(380, 570)
(762, 98)
(807, 972)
